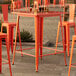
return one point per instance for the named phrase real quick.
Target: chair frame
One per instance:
(67, 25)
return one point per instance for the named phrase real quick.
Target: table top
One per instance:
(41, 14)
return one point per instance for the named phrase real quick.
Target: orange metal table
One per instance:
(39, 33)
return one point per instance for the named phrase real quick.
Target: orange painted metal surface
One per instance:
(5, 14)
(67, 25)
(41, 36)
(70, 63)
(39, 17)
(17, 4)
(37, 41)
(2, 35)
(72, 48)
(9, 25)
(17, 31)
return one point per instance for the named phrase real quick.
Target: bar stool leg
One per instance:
(63, 41)
(57, 36)
(12, 35)
(9, 35)
(65, 38)
(7, 45)
(41, 36)
(71, 56)
(74, 29)
(65, 45)
(8, 54)
(68, 39)
(0, 55)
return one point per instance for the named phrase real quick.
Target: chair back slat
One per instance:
(71, 12)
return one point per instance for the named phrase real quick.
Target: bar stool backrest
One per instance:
(71, 12)
(5, 12)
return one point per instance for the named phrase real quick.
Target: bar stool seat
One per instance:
(9, 23)
(66, 23)
(10, 29)
(3, 35)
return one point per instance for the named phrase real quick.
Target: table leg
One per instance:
(0, 56)
(8, 34)
(15, 40)
(57, 36)
(41, 35)
(37, 41)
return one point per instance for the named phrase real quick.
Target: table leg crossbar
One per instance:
(25, 53)
(52, 49)
(51, 54)
(73, 65)
(26, 49)
(59, 51)
(64, 44)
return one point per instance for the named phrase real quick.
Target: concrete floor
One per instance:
(52, 65)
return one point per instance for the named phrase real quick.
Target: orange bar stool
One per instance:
(8, 25)
(67, 25)
(70, 63)
(3, 35)
(18, 4)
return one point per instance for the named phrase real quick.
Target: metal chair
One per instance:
(70, 63)
(8, 25)
(67, 25)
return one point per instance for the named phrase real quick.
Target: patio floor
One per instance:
(52, 65)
